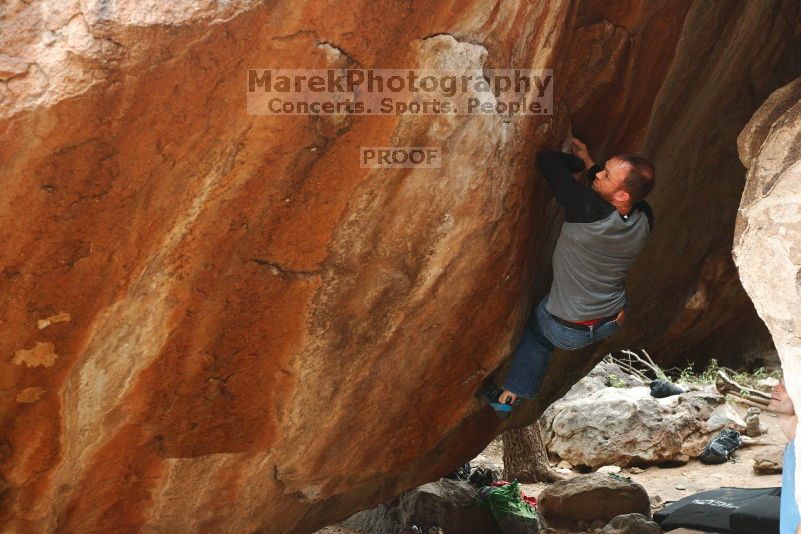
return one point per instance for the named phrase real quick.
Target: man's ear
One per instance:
(621, 195)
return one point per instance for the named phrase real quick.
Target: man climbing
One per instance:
(607, 222)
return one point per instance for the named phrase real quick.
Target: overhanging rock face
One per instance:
(215, 322)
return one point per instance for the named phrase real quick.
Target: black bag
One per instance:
(461, 473)
(721, 447)
(725, 510)
(760, 516)
(664, 388)
(484, 476)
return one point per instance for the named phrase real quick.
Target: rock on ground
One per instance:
(609, 469)
(592, 497)
(595, 425)
(631, 524)
(769, 460)
(450, 504)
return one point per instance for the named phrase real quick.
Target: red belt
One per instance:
(591, 322)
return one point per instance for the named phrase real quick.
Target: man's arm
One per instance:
(580, 202)
(592, 170)
(578, 148)
(788, 424)
(782, 405)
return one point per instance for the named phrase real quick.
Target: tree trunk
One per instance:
(525, 457)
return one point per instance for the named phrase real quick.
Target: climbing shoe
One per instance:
(491, 394)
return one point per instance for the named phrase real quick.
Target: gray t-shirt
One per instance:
(590, 264)
(596, 247)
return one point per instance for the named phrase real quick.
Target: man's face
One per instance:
(609, 182)
(780, 401)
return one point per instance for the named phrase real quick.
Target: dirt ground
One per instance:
(665, 484)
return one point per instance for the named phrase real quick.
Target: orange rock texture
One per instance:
(218, 322)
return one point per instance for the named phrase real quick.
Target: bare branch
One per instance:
(726, 386)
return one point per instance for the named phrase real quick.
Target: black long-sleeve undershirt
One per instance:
(580, 202)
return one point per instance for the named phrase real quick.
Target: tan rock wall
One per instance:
(767, 242)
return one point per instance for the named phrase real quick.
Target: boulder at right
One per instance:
(767, 238)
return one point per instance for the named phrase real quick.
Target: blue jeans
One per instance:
(788, 511)
(541, 335)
